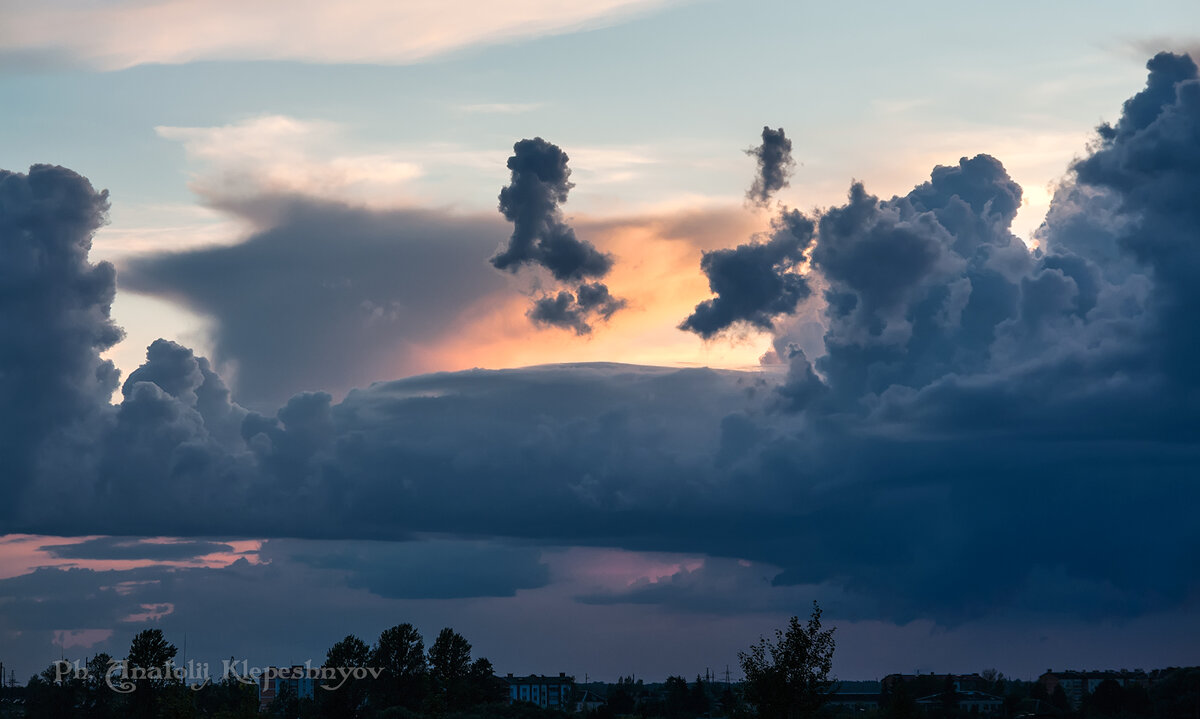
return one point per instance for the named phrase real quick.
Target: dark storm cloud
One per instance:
(540, 235)
(542, 238)
(1149, 158)
(755, 282)
(327, 296)
(918, 286)
(775, 163)
(573, 311)
(123, 548)
(977, 405)
(54, 319)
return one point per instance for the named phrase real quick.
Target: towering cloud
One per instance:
(775, 163)
(542, 238)
(754, 282)
(917, 285)
(540, 182)
(54, 320)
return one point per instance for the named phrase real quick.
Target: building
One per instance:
(853, 701)
(1077, 684)
(273, 681)
(962, 682)
(546, 692)
(968, 701)
(589, 700)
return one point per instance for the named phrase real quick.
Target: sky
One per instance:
(609, 335)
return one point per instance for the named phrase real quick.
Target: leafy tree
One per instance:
(286, 704)
(729, 702)
(100, 701)
(228, 699)
(622, 699)
(1176, 693)
(698, 698)
(676, 690)
(457, 682)
(49, 697)
(789, 678)
(148, 665)
(400, 653)
(348, 701)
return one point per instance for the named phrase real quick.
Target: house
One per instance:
(546, 692)
(589, 700)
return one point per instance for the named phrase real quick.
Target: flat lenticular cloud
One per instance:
(118, 35)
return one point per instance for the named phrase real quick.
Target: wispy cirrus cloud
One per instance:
(118, 35)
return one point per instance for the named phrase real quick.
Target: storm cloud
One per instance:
(54, 320)
(976, 401)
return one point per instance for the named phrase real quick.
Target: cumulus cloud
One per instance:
(573, 310)
(755, 282)
(542, 238)
(775, 163)
(54, 318)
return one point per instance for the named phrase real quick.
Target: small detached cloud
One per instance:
(542, 238)
(775, 163)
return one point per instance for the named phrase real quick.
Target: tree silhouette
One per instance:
(400, 653)
(349, 699)
(789, 678)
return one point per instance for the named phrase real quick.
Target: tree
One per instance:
(400, 653)
(149, 663)
(457, 682)
(348, 700)
(789, 678)
(698, 703)
(676, 690)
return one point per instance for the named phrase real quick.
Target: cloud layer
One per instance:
(127, 33)
(976, 405)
